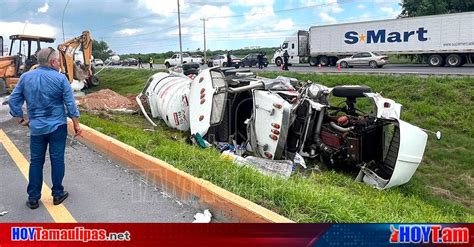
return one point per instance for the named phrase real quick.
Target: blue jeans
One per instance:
(57, 146)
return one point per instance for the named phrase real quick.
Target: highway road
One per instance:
(101, 190)
(402, 69)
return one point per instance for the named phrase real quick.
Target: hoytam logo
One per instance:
(435, 234)
(75, 234)
(381, 36)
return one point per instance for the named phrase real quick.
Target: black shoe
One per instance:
(59, 199)
(32, 204)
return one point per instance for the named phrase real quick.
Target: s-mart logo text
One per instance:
(436, 234)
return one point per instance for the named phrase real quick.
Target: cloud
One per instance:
(285, 24)
(42, 29)
(325, 17)
(361, 6)
(255, 3)
(390, 11)
(43, 9)
(129, 31)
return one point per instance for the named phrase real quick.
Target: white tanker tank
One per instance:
(168, 98)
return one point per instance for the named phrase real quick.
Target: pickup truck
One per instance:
(176, 60)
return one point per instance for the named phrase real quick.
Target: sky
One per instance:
(145, 26)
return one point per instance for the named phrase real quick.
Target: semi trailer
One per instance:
(439, 39)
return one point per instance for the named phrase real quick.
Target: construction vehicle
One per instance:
(78, 67)
(13, 65)
(74, 67)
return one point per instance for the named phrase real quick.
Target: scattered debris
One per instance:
(281, 168)
(6, 212)
(203, 217)
(107, 100)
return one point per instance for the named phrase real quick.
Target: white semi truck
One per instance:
(441, 40)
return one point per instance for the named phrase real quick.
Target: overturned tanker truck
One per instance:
(282, 119)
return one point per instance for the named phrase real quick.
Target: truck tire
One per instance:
(324, 61)
(167, 65)
(435, 60)
(454, 60)
(278, 61)
(313, 61)
(3, 87)
(333, 61)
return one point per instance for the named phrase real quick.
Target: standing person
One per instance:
(140, 65)
(49, 100)
(285, 60)
(150, 61)
(260, 60)
(229, 59)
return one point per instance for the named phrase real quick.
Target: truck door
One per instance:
(269, 124)
(293, 52)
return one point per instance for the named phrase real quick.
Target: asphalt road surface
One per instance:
(409, 69)
(100, 190)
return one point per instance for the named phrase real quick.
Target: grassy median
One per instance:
(441, 191)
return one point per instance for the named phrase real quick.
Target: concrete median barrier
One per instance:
(224, 205)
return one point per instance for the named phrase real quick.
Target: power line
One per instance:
(62, 19)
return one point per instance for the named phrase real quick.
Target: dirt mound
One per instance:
(107, 100)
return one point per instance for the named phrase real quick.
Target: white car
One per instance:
(221, 61)
(97, 62)
(176, 60)
(371, 59)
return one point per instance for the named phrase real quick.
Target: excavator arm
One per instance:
(66, 53)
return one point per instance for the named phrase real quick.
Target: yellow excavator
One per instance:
(73, 66)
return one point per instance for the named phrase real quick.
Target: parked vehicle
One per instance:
(98, 62)
(221, 61)
(176, 60)
(210, 61)
(371, 59)
(252, 60)
(440, 39)
(198, 59)
(130, 62)
(283, 119)
(113, 60)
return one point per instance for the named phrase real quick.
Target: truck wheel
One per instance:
(373, 64)
(344, 64)
(324, 61)
(333, 61)
(313, 61)
(435, 60)
(167, 65)
(95, 81)
(454, 60)
(278, 62)
(3, 87)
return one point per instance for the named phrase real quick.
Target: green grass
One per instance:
(441, 191)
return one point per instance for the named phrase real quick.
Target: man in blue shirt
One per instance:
(49, 101)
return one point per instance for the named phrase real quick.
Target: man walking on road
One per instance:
(140, 65)
(49, 100)
(151, 62)
(285, 60)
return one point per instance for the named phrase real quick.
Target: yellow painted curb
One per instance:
(222, 203)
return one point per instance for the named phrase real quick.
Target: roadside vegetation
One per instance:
(441, 191)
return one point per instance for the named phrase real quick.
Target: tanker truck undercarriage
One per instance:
(283, 119)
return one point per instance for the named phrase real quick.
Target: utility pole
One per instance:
(180, 41)
(205, 49)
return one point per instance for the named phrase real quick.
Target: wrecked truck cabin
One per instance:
(284, 119)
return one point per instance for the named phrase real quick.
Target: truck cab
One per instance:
(297, 47)
(176, 60)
